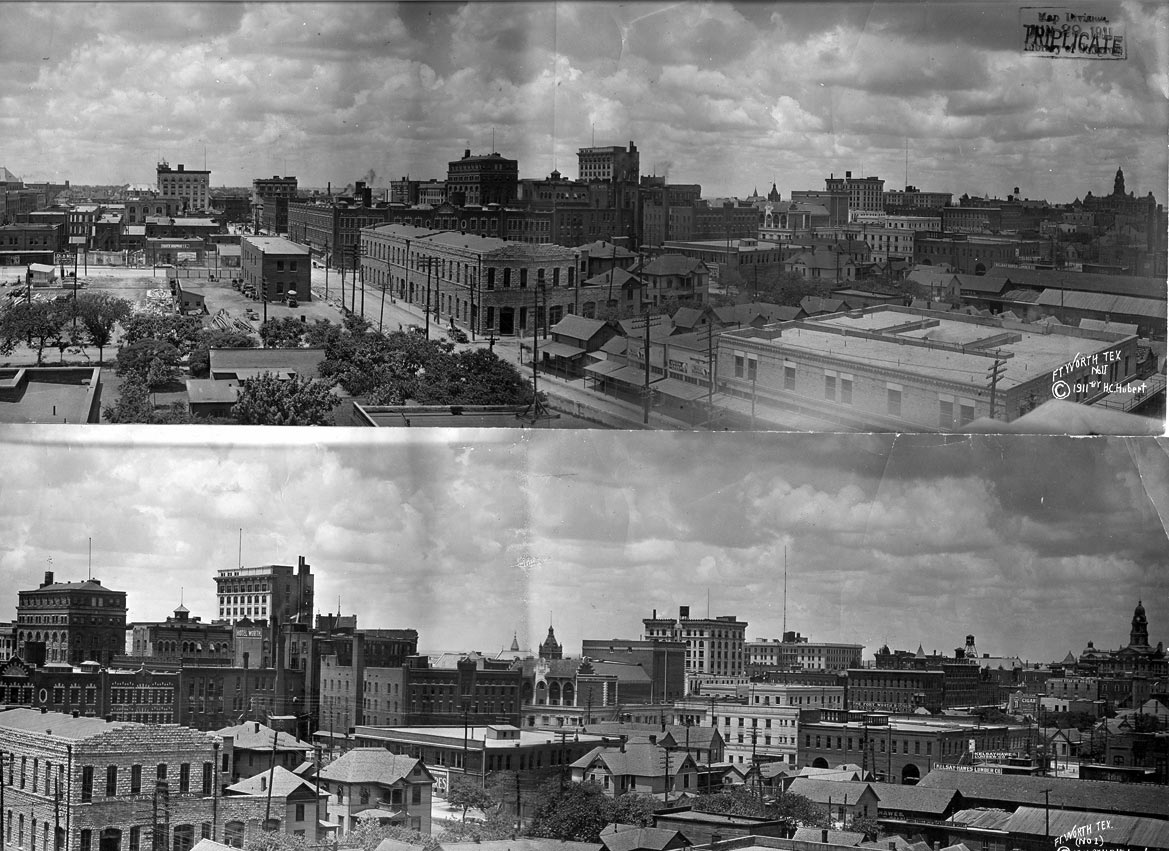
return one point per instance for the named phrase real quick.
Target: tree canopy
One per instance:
(268, 400)
(99, 313)
(36, 323)
(214, 338)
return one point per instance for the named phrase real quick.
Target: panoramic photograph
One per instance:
(831, 217)
(640, 638)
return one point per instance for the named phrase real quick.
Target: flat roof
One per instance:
(476, 735)
(36, 400)
(1034, 353)
(276, 245)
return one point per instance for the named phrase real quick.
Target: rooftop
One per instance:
(967, 346)
(48, 394)
(275, 245)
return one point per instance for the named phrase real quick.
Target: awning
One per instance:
(680, 389)
(634, 375)
(560, 350)
(603, 368)
(378, 813)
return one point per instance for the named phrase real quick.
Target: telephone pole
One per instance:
(646, 392)
(995, 373)
(536, 410)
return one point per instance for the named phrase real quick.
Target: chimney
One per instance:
(466, 153)
(622, 744)
(263, 783)
(48, 578)
(45, 710)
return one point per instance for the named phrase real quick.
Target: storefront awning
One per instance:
(680, 389)
(603, 368)
(560, 350)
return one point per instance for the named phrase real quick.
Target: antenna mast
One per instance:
(241, 547)
(91, 558)
(785, 590)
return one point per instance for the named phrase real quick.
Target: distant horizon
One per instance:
(732, 96)
(1034, 545)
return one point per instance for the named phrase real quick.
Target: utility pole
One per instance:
(271, 777)
(996, 372)
(536, 410)
(646, 392)
(326, 268)
(429, 263)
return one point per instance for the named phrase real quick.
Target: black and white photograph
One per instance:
(716, 426)
(615, 640)
(838, 217)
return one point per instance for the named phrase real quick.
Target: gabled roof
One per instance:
(284, 784)
(602, 250)
(811, 304)
(914, 799)
(673, 264)
(627, 837)
(373, 765)
(1021, 789)
(618, 278)
(838, 791)
(304, 362)
(638, 759)
(252, 735)
(982, 283)
(578, 327)
(522, 843)
(1121, 830)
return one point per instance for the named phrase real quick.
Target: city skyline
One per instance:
(1034, 545)
(730, 96)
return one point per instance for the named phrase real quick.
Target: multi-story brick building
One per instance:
(864, 193)
(182, 638)
(794, 652)
(192, 187)
(415, 693)
(914, 198)
(897, 749)
(21, 244)
(332, 229)
(714, 646)
(902, 690)
(758, 721)
(270, 195)
(663, 660)
(252, 748)
(71, 622)
(482, 179)
(89, 690)
(276, 268)
(276, 591)
(483, 284)
(89, 784)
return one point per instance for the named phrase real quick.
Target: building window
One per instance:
(789, 377)
(185, 777)
(87, 783)
(945, 413)
(207, 771)
(894, 401)
(830, 387)
(111, 781)
(135, 779)
(846, 390)
(86, 840)
(739, 366)
(416, 795)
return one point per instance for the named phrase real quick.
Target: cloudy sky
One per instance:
(732, 96)
(1034, 545)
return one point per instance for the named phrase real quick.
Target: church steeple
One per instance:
(1139, 636)
(551, 648)
(1118, 183)
(515, 642)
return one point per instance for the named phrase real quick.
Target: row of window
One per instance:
(135, 779)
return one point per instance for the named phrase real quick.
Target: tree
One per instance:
(268, 400)
(134, 406)
(275, 840)
(577, 813)
(160, 374)
(199, 361)
(738, 801)
(368, 835)
(138, 357)
(635, 808)
(466, 792)
(798, 808)
(99, 313)
(182, 332)
(867, 825)
(286, 332)
(38, 322)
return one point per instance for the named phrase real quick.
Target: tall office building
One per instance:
(278, 593)
(193, 187)
(714, 646)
